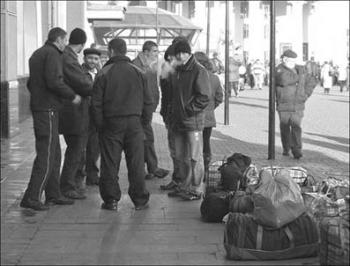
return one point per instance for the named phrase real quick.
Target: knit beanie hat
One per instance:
(77, 36)
(182, 47)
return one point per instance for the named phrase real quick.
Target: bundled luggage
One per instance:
(245, 239)
(277, 200)
(241, 202)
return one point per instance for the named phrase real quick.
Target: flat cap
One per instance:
(88, 51)
(289, 53)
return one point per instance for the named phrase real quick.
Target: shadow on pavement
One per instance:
(341, 140)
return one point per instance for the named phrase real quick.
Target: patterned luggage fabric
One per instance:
(334, 247)
(214, 178)
(334, 232)
(244, 239)
(298, 173)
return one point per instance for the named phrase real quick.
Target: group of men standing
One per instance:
(107, 111)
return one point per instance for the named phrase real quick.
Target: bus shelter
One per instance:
(140, 24)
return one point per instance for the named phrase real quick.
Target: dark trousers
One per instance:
(122, 134)
(91, 151)
(171, 143)
(151, 159)
(206, 147)
(72, 159)
(46, 167)
(290, 126)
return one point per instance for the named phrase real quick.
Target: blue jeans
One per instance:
(188, 150)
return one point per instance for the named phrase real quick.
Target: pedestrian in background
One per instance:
(47, 91)
(326, 77)
(258, 71)
(342, 77)
(233, 75)
(191, 88)
(88, 166)
(147, 60)
(74, 120)
(120, 98)
(215, 99)
(218, 67)
(294, 85)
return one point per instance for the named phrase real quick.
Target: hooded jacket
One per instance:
(120, 89)
(190, 87)
(46, 85)
(293, 88)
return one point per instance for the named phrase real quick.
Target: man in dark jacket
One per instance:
(147, 60)
(73, 122)
(47, 91)
(294, 85)
(88, 166)
(120, 98)
(190, 96)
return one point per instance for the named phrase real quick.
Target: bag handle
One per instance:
(290, 236)
(259, 236)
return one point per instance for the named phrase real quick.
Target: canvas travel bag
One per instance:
(215, 206)
(244, 239)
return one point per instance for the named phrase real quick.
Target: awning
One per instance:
(140, 24)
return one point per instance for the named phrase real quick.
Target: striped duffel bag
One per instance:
(244, 239)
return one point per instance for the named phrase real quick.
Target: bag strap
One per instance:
(259, 236)
(290, 236)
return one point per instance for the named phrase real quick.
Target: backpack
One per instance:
(232, 172)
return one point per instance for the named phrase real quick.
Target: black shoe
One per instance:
(169, 186)
(141, 207)
(285, 153)
(112, 205)
(59, 201)
(297, 155)
(92, 182)
(33, 204)
(72, 194)
(161, 173)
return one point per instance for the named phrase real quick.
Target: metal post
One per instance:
(227, 45)
(208, 26)
(272, 95)
(157, 26)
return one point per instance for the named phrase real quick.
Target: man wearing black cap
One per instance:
(120, 98)
(88, 166)
(294, 85)
(73, 120)
(190, 88)
(47, 92)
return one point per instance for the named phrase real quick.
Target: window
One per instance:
(244, 9)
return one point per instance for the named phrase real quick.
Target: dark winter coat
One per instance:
(215, 98)
(151, 75)
(120, 89)
(190, 96)
(46, 85)
(73, 119)
(293, 88)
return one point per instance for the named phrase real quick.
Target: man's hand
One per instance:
(77, 99)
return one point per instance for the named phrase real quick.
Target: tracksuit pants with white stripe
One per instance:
(46, 168)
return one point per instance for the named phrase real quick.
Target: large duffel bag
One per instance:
(244, 239)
